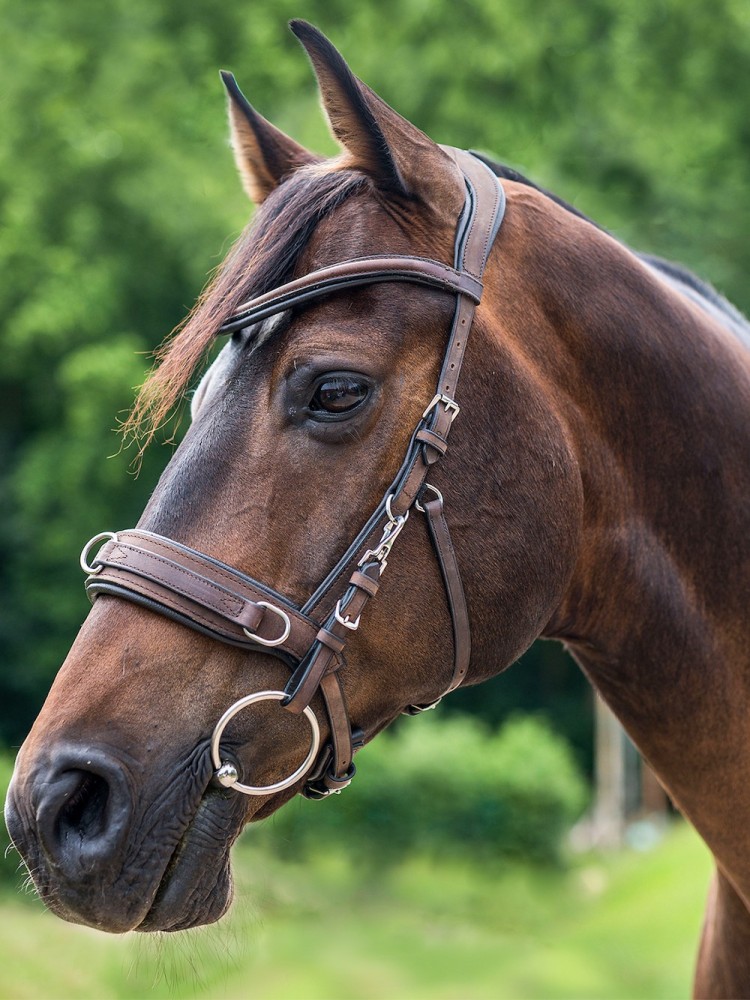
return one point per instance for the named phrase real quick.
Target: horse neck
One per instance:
(654, 395)
(660, 400)
(655, 398)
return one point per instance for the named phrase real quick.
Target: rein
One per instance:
(225, 604)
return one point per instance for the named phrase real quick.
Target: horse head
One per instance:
(267, 537)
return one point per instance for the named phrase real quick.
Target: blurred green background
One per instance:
(118, 195)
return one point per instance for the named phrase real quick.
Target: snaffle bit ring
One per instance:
(226, 773)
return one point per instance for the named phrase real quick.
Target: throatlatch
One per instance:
(211, 597)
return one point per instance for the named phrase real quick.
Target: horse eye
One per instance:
(338, 394)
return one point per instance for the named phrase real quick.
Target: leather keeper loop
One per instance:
(250, 617)
(331, 780)
(331, 641)
(433, 441)
(364, 582)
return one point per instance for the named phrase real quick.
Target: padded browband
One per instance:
(352, 274)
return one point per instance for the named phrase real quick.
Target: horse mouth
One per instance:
(196, 886)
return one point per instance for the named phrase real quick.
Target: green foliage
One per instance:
(446, 787)
(118, 196)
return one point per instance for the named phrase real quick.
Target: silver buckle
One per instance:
(345, 620)
(451, 406)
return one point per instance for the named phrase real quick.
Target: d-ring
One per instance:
(226, 772)
(93, 570)
(434, 489)
(282, 615)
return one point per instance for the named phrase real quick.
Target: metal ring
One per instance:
(394, 518)
(284, 617)
(93, 570)
(388, 510)
(435, 490)
(229, 777)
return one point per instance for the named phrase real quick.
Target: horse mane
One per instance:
(674, 273)
(509, 174)
(263, 258)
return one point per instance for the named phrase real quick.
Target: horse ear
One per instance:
(376, 139)
(263, 154)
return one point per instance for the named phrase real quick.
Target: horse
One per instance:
(315, 560)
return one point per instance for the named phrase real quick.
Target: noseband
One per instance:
(211, 597)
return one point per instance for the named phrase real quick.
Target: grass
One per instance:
(620, 926)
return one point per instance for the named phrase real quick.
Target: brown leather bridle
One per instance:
(227, 605)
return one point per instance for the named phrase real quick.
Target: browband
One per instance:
(352, 274)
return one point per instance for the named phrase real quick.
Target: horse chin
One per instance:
(196, 887)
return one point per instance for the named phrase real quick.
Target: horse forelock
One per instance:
(263, 258)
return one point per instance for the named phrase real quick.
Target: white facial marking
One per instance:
(256, 335)
(262, 331)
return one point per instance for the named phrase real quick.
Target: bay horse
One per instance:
(314, 545)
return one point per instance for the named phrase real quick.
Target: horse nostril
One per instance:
(83, 813)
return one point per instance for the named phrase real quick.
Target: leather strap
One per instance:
(319, 671)
(199, 589)
(354, 273)
(446, 555)
(471, 257)
(331, 639)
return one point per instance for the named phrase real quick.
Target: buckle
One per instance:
(451, 406)
(345, 620)
(319, 788)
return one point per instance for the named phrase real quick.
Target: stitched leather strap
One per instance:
(354, 273)
(446, 554)
(319, 671)
(342, 622)
(471, 258)
(199, 590)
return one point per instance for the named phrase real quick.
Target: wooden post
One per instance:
(654, 800)
(609, 803)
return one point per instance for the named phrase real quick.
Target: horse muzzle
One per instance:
(78, 821)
